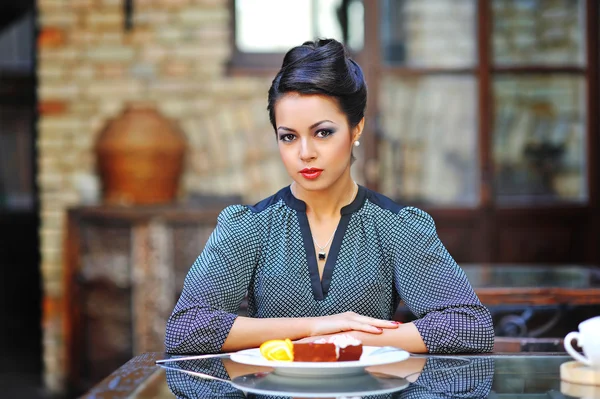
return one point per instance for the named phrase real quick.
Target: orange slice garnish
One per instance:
(278, 349)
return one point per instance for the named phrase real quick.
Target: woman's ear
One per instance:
(357, 131)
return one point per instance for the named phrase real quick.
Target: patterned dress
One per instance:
(381, 253)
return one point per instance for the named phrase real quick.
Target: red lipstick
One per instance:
(311, 173)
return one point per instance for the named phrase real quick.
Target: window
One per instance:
(17, 105)
(456, 76)
(486, 117)
(428, 144)
(539, 101)
(265, 29)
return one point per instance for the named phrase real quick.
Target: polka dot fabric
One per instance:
(381, 253)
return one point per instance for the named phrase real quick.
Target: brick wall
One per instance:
(90, 67)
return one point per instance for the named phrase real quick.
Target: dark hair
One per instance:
(322, 67)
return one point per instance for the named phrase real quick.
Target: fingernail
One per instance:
(379, 329)
(397, 322)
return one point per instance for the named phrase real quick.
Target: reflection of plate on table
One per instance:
(309, 387)
(322, 369)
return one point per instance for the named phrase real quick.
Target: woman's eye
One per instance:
(324, 133)
(286, 138)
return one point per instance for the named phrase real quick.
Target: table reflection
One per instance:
(417, 377)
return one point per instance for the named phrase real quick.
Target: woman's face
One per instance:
(314, 139)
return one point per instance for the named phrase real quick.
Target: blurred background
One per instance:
(126, 125)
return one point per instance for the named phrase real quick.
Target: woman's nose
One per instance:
(307, 150)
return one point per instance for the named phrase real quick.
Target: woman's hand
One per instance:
(348, 321)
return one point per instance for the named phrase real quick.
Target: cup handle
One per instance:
(574, 335)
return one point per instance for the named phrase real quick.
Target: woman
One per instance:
(324, 255)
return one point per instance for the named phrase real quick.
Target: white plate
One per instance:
(320, 369)
(343, 385)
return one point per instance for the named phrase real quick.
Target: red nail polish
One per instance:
(397, 322)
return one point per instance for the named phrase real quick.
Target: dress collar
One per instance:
(300, 205)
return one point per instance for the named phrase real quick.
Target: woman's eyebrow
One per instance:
(310, 127)
(287, 129)
(318, 123)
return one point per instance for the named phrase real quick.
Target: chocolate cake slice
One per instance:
(338, 348)
(315, 352)
(348, 347)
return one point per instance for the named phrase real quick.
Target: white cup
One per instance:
(588, 338)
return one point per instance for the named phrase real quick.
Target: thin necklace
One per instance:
(322, 254)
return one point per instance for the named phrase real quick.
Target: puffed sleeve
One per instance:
(215, 286)
(451, 319)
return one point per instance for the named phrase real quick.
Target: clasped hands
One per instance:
(347, 322)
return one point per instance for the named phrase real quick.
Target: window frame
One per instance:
(242, 63)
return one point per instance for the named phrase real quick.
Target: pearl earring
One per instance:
(356, 143)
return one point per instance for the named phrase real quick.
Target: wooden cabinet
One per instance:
(124, 269)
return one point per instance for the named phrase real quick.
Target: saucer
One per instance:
(577, 373)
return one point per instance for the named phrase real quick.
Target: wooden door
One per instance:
(486, 117)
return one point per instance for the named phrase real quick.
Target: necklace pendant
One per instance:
(321, 255)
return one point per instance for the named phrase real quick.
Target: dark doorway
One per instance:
(20, 282)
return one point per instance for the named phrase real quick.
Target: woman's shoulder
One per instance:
(240, 212)
(393, 211)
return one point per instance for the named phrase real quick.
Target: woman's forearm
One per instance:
(248, 332)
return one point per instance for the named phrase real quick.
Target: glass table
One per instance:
(534, 375)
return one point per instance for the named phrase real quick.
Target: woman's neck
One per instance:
(326, 204)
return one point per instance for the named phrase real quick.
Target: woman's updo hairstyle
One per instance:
(321, 67)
